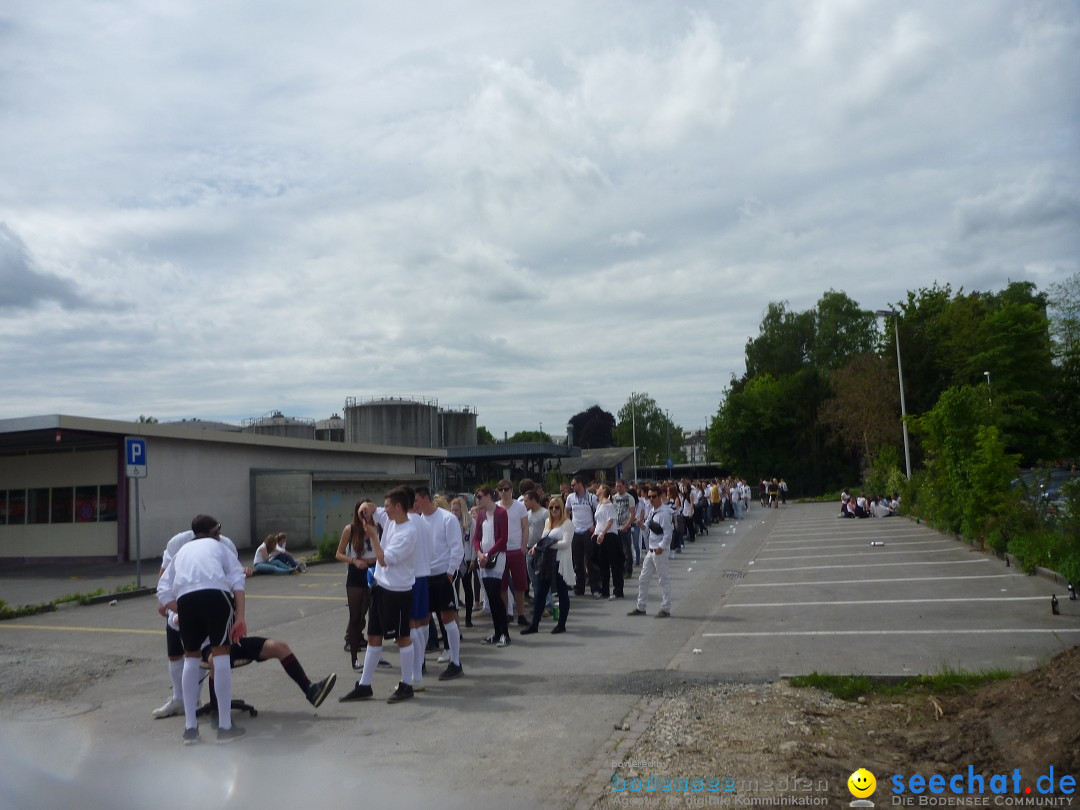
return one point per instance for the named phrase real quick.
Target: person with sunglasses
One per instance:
(558, 537)
(659, 525)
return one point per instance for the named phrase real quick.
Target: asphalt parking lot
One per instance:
(783, 592)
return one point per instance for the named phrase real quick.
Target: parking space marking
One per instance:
(803, 536)
(773, 633)
(863, 565)
(862, 543)
(74, 629)
(303, 598)
(886, 601)
(866, 581)
(860, 554)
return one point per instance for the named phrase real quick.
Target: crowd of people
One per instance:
(860, 506)
(414, 560)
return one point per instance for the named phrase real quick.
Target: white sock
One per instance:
(176, 670)
(453, 635)
(417, 649)
(223, 690)
(372, 656)
(407, 671)
(189, 689)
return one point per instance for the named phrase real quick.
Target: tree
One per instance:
(1064, 312)
(654, 430)
(864, 410)
(524, 436)
(483, 435)
(783, 342)
(593, 428)
(842, 329)
(147, 420)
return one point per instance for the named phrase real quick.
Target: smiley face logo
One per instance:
(861, 783)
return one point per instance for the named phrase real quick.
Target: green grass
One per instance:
(327, 548)
(852, 687)
(9, 612)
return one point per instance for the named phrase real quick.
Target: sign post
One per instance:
(135, 462)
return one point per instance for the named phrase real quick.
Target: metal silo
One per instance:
(457, 427)
(277, 424)
(392, 420)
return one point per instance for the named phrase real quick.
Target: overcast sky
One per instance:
(220, 209)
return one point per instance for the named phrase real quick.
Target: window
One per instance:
(63, 504)
(37, 505)
(107, 503)
(16, 501)
(86, 504)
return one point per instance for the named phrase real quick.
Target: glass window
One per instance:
(16, 515)
(86, 504)
(37, 505)
(107, 503)
(63, 504)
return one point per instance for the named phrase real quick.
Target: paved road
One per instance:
(785, 591)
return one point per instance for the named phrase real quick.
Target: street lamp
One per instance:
(989, 390)
(885, 313)
(633, 429)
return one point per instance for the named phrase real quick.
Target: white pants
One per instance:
(654, 564)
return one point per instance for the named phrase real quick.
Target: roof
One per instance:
(46, 432)
(604, 459)
(508, 451)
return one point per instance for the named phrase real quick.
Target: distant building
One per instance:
(694, 445)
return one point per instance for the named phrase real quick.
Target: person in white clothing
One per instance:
(445, 562)
(489, 540)
(555, 566)
(582, 508)
(608, 545)
(391, 597)
(660, 526)
(204, 585)
(173, 645)
(515, 572)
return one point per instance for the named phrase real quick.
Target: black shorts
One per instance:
(441, 593)
(173, 643)
(389, 614)
(357, 578)
(246, 650)
(206, 614)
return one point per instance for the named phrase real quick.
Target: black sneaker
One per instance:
(227, 735)
(636, 612)
(528, 631)
(191, 736)
(490, 639)
(359, 692)
(451, 672)
(317, 692)
(522, 621)
(403, 692)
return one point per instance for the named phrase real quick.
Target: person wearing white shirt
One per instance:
(582, 508)
(660, 526)
(516, 571)
(609, 559)
(445, 562)
(625, 504)
(391, 595)
(174, 646)
(204, 585)
(537, 517)
(557, 538)
(489, 540)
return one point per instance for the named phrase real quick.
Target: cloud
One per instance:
(23, 285)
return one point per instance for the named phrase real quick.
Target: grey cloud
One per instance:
(23, 285)
(1012, 209)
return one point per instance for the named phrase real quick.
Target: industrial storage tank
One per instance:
(457, 427)
(330, 430)
(395, 421)
(277, 424)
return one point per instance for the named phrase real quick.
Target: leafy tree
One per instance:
(1064, 312)
(523, 436)
(842, 329)
(783, 342)
(147, 420)
(654, 430)
(593, 428)
(864, 410)
(483, 435)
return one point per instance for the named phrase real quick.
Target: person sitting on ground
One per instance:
(879, 507)
(272, 558)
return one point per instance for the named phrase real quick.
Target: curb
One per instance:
(120, 596)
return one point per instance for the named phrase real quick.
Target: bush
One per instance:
(327, 547)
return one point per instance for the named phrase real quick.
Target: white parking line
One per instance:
(862, 541)
(775, 633)
(861, 565)
(802, 536)
(854, 554)
(865, 581)
(889, 601)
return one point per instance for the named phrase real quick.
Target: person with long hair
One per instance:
(558, 537)
(609, 559)
(489, 541)
(355, 550)
(467, 574)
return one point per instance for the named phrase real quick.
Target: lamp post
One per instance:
(885, 313)
(633, 429)
(989, 390)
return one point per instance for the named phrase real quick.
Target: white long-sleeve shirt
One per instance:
(200, 565)
(399, 542)
(664, 517)
(178, 541)
(448, 548)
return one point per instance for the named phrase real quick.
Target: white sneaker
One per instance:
(444, 658)
(172, 707)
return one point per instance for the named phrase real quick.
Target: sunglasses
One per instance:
(504, 489)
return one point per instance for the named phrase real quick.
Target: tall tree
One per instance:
(842, 329)
(783, 343)
(655, 432)
(864, 410)
(483, 435)
(525, 436)
(593, 428)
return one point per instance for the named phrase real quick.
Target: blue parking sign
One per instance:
(135, 456)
